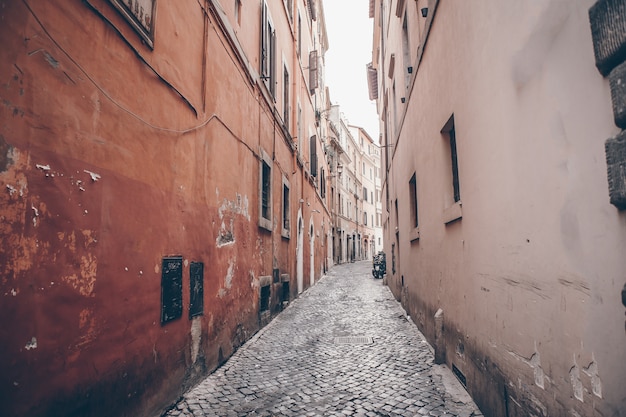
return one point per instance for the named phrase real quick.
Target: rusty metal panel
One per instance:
(196, 288)
(171, 289)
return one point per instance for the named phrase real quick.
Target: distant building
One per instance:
(352, 157)
(504, 193)
(369, 158)
(163, 192)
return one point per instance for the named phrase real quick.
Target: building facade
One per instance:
(503, 243)
(163, 192)
(352, 158)
(368, 155)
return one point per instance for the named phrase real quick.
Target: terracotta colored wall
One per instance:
(113, 156)
(529, 278)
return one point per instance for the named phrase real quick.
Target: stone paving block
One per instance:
(292, 367)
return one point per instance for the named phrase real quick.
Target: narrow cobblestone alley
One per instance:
(344, 347)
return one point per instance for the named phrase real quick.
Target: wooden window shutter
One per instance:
(312, 10)
(263, 39)
(313, 159)
(273, 62)
(313, 71)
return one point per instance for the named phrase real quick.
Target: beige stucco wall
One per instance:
(529, 278)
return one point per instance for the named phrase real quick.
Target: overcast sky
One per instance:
(350, 37)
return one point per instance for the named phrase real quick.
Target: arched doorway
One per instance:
(300, 255)
(312, 250)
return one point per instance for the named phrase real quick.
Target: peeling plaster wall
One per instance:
(529, 277)
(113, 156)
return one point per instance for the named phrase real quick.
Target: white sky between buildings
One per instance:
(350, 38)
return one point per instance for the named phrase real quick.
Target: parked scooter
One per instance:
(379, 265)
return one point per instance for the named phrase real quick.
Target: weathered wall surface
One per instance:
(112, 157)
(529, 276)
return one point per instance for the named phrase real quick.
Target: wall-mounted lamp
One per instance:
(410, 70)
(403, 99)
(424, 11)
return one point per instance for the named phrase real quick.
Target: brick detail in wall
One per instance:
(617, 80)
(616, 166)
(608, 30)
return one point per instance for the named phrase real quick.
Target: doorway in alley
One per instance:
(300, 254)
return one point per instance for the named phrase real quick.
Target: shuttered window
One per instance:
(313, 155)
(268, 51)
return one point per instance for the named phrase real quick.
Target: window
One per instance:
(268, 51)
(313, 155)
(285, 232)
(406, 55)
(196, 289)
(299, 35)
(413, 201)
(364, 193)
(449, 133)
(312, 9)
(140, 14)
(238, 11)
(264, 304)
(365, 218)
(265, 191)
(313, 71)
(452, 211)
(286, 97)
(171, 289)
(299, 129)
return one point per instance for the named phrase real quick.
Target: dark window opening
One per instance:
(455, 166)
(171, 289)
(268, 51)
(286, 97)
(299, 35)
(266, 182)
(313, 71)
(413, 199)
(285, 207)
(238, 11)
(450, 131)
(313, 155)
(196, 289)
(265, 298)
(276, 275)
(285, 294)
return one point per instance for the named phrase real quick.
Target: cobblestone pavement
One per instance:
(343, 348)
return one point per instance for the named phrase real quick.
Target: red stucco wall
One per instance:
(113, 156)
